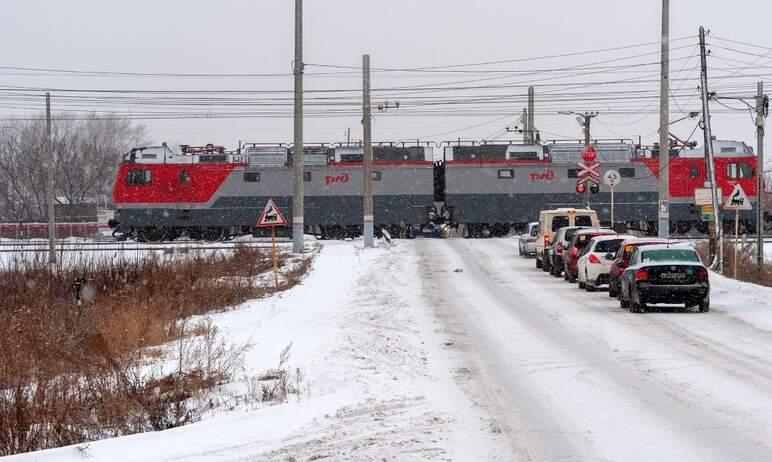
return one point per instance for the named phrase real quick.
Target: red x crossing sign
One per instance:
(588, 171)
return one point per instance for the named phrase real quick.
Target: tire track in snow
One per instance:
(614, 398)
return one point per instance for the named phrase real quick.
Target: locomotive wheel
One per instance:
(702, 227)
(684, 227)
(151, 234)
(212, 233)
(172, 233)
(195, 234)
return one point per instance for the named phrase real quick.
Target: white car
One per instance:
(526, 244)
(595, 262)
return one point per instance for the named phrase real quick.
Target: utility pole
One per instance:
(368, 153)
(663, 210)
(531, 129)
(760, 175)
(715, 232)
(50, 186)
(524, 118)
(584, 120)
(297, 158)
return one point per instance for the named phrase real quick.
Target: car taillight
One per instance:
(641, 275)
(702, 274)
(546, 241)
(559, 248)
(593, 259)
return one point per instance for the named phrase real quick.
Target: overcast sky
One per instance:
(256, 37)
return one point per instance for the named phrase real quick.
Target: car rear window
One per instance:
(582, 240)
(611, 245)
(583, 220)
(670, 255)
(570, 234)
(559, 222)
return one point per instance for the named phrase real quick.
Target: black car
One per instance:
(560, 244)
(664, 274)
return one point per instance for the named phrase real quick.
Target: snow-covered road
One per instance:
(461, 350)
(577, 378)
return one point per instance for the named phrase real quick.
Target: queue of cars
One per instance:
(638, 271)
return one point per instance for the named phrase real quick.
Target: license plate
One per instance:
(672, 275)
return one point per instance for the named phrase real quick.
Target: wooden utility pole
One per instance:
(50, 186)
(297, 149)
(760, 175)
(715, 232)
(368, 153)
(663, 209)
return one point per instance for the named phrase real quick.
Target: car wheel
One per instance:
(538, 263)
(611, 292)
(571, 278)
(639, 306)
(590, 288)
(704, 306)
(580, 284)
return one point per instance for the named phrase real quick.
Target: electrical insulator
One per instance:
(594, 188)
(580, 188)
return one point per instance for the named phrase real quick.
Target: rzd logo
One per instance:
(330, 179)
(545, 176)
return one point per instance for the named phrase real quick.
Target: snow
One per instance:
(384, 378)
(460, 350)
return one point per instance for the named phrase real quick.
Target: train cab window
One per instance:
(306, 176)
(729, 150)
(251, 177)
(506, 173)
(184, 177)
(376, 176)
(627, 172)
(138, 177)
(737, 170)
(694, 171)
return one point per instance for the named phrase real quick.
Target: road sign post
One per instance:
(271, 218)
(612, 178)
(737, 201)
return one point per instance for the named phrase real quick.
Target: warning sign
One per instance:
(271, 216)
(738, 200)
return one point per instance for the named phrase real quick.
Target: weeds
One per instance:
(747, 270)
(123, 356)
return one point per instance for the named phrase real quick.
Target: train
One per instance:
(484, 189)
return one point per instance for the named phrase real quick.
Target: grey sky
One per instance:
(257, 37)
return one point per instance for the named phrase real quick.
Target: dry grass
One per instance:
(747, 270)
(74, 372)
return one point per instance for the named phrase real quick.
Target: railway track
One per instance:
(96, 246)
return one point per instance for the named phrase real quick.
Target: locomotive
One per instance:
(489, 189)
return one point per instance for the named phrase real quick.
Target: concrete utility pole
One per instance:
(50, 186)
(297, 150)
(663, 210)
(584, 120)
(715, 232)
(368, 153)
(531, 129)
(760, 175)
(524, 118)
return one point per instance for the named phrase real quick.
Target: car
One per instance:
(595, 261)
(578, 242)
(664, 273)
(552, 220)
(559, 245)
(622, 258)
(526, 244)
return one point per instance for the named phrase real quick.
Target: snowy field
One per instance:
(460, 350)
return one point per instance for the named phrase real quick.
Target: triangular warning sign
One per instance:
(738, 200)
(271, 216)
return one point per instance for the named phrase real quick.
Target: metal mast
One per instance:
(716, 263)
(297, 150)
(664, 133)
(368, 153)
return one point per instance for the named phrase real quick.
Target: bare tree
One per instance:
(87, 151)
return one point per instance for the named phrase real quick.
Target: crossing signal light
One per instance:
(594, 188)
(580, 188)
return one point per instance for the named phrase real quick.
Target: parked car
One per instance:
(664, 273)
(559, 246)
(526, 244)
(552, 220)
(578, 242)
(595, 261)
(622, 258)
